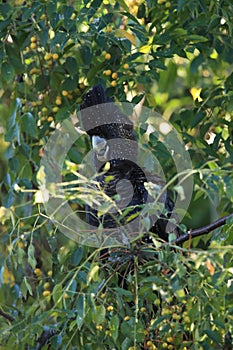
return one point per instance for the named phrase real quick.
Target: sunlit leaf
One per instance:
(114, 326)
(31, 256)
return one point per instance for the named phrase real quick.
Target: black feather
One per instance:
(103, 118)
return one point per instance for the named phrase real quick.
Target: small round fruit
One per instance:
(108, 56)
(108, 72)
(46, 285)
(157, 302)
(44, 110)
(48, 56)
(46, 293)
(55, 109)
(33, 46)
(114, 83)
(110, 308)
(114, 75)
(64, 93)
(127, 318)
(55, 56)
(50, 119)
(149, 343)
(38, 272)
(33, 39)
(170, 339)
(126, 66)
(58, 101)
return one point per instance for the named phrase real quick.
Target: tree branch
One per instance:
(7, 316)
(202, 230)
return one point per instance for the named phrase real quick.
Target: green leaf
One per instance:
(123, 5)
(196, 62)
(56, 341)
(198, 117)
(62, 114)
(104, 20)
(14, 164)
(14, 58)
(77, 256)
(93, 274)
(197, 38)
(28, 124)
(57, 295)
(69, 84)
(141, 10)
(126, 344)
(67, 11)
(8, 199)
(26, 288)
(86, 55)
(5, 9)
(157, 64)
(100, 314)
(124, 292)
(25, 151)
(12, 125)
(31, 256)
(41, 177)
(159, 320)
(7, 71)
(114, 327)
(3, 26)
(212, 335)
(72, 287)
(71, 65)
(80, 306)
(42, 82)
(179, 293)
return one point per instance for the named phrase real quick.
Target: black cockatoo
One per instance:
(115, 149)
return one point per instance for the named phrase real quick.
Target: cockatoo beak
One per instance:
(101, 147)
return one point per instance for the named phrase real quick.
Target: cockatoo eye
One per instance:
(101, 147)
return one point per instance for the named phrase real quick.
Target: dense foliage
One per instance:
(56, 294)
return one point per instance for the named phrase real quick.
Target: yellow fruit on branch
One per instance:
(114, 75)
(33, 46)
(114, 83)
(108, 56)
(108, 72)
(46, 293)
(33, 39)
(55, 56)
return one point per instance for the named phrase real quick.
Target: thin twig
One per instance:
(202, 230)
(7, 316)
